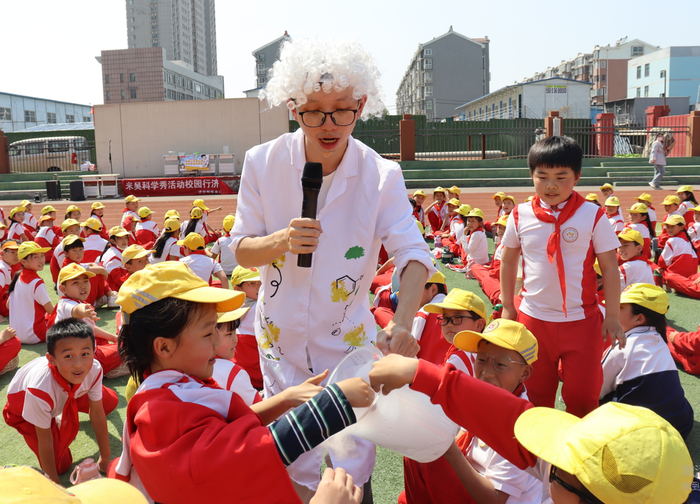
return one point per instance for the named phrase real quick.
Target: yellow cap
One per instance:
(71, 239)
(455, 190)
(464, 209)
(629, 234)
(241, 274)
(458, 299)
(171, 213)
(639, 208)
(47, 209)
(30, 247)
(592, 197)
(612, 201)
(16, 209)
(507, 197)
(695, 209)
(10, 245)
(528, 199)
(72, 271)
(673, 220)
(438, 277)
(644, 197)
(3, 226)
(419, 192)
(222, 318)
(596, 267)
(229, 221)
(134, 252)
(45, 218)
(621, 453)
(131, 199)
(118, 231)
(499, 194)
(502, 220)
(671, 199)
(685, 188)
(93, 224)
(144, 212)
(421, 228)
(28, 486)
(73, 208)
(196, 213)
(68, 223)
(454, 202)
(607, 185)
(503, 333)
(173, 279)
(646, 295)
(476, 212)
(193, 241)
(96, 205)
(438, 189)
(171, 224)
(200, 203)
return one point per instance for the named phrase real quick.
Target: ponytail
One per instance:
(191, 226)
(13, 283)
(107, 247)
(159, 245)
(647, 221)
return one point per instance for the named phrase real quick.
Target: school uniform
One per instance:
(678, 256)
(94, 247)
(247, 355)
(15, 232)
(489, 276)
(128, 218)
(56, 260)
(644, 374)
(694, 231)
(171, 252)
(435, 216)
(116, 273)
(461, 360)
(46, 237)
(643, 230)
(475, 250)
(30, 225)
(559, 295)
(5, 279)
(103, 232)
(661, 242)
(636, 270)
(147, 233)
(428, 332)
(685, 209)
(199, 228)
(38, 394)
(227, 258)
(202, 265)
(27, 313)
(230, 376)
(9, 350)
(617, 222)
(652, 214)
(685, 348)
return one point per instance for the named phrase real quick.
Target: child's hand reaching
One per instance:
(337, 487)
(299, 394)
(392, 372)
(85, 311)
(357, 391)
(104, 464)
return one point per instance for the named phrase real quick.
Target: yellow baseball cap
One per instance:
(528, 199)
(118, 231)
(629, 234)
(458, 299)
(200, 203)
(502, 220)
(10, 245)
(131, 199)
(144, 212)
(17, 209)
(506, 197)
(171, 224)
(222, 318)
(45, 218)
(646, 295)
(499, 194)
(26, 485)
(437, 277)
(503, 333)
(612, 201)
(196, 213)
(621, 453)
(71, 239)
(241, 274)
(607, 185)
(455, 190)
(93, 224)
(134, 252)
(671, 199)
(229, 220)
(464, 209)
(30, 247)
(695, 209)
(72, 271)
(68, 223)
(454, 202)
(3, 226)
(171, 213)
(592, 197)
(639, 208)
(25, 203)
(438, 189)
(684, 188)
(193, 241)
(673, 220)
(96, 205)
(73, 208)
(173, 279)
(419, 192)
(644, 197)
(47, 209)
(476, 212)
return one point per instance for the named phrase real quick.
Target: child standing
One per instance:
(146, 229)
(197, 259)
(66, 381)
(247, 354)
(560, 236)
(29, 301)
(221, 250)
(166, 248)
(436, 210)
(612, 209)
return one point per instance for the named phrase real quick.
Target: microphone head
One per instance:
(312, 176)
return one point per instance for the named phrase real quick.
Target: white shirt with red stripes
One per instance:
(202, 266)
(27, 308)
(231, 376)
(422, 316)
(635, 272)
(694, 231)
(617, 222)
(94, 246)
(674, 249)
(463, 361)
(16, 231)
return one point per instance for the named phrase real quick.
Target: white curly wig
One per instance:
(306, 66)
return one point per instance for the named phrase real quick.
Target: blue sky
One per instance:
(50, 46)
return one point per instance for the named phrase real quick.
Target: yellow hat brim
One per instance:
(107, 491)
(224, 317)
(226, 300)
(440, 308)
(77, 274)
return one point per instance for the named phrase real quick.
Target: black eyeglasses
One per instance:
(584, 495)
(455, 320)
(316, 118)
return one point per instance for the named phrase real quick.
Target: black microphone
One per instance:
(311, 182)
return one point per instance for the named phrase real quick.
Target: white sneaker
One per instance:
(112, 302)
(101, 301)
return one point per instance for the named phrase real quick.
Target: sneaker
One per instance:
(85, 471)
(101, 301)
(112, 302)
(655, 186)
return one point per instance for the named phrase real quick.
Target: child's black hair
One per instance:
(556, 151)
(159, 245)
(690, 196)
(191, 225)
(108, 246)
(413, 203)
(68, 328)
(163, 319)
(229, 326)
(647, 222)
(75, 244)
(655, 319)
(441, 287)
(11, 287)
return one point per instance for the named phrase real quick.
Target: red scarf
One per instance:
(641, 258)
(69, 419)
(197, 252)
(554, 242)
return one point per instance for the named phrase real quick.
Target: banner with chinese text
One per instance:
(180, 186)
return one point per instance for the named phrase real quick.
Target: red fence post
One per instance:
(654, 113)
(407, 141)
(692, 148)
(605, 134)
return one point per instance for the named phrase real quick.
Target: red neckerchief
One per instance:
(197, 252)
(28, 275)
(554, 242)
(438, 207)
(640, 258)
(613, 215)
(69, 418)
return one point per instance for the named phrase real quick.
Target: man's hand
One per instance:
(612, 328)
(392, 372)
(397, 339)
(302, 235)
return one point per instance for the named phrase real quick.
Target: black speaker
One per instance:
(53, 189)
(77, 191)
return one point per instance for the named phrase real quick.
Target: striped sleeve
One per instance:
(308, 425)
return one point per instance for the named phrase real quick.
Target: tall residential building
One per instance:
(265, 57)
(186, 29)
(444, 73)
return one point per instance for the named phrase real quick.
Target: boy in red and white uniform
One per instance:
(197, 259)
(426, 326)
(489, 275)
(130, 216)
(94, 243)
(29, 301)
(247, 354)
(100, 293)
(612, 209)
(475, 248)
(419, 197)
(8, 259)
(147, 231)
(112, 258)
(67, 380)
(221, 249)
(635, 268)
(559, 236)
(69, 227)
(678, 255)
(135, 258)
(53, 213)
(46, 236)
(97, 211)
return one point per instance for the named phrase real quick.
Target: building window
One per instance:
(154, 43)
(29, 116)
(646, 91)
(637, 51)
(427, 52)
(132, 77)
(123, 94)
(261, 67)
(5, 114)
(70, 118)
(51, 117)
(109, 96)
(429, 105)
(602, 78)
(428, 76)
(261, 57)
(428, 64)
(639, 92)
(121, 77)
(428, 90)
(646, 70)
(87, 119)
(602, 64)
(132, 92)
(639, 72)
(154, 7)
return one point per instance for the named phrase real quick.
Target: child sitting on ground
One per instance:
(130, 216)
(640, 222)
(221, 250)
(29, 300)
(16, 230)
(100, 293)
(247, 354)
(489, 275)
(670, 203)
(688, 202)
(643, 373)
(111, 257)
(419, 198)
(67, 380)
(678, 255)
(612, 209)
(475, 249)
(197, 259)
(635, 268)
(146, 229)
(647, 200)
(169, 341)
(69, 227)
(135, 258)
(437, 211)
(94, 243)
(593, 198)
(166, 247)
(97, 211)
(72, 212)
(10, 345)
(8, 259)
(46, 237)
(30, 224)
